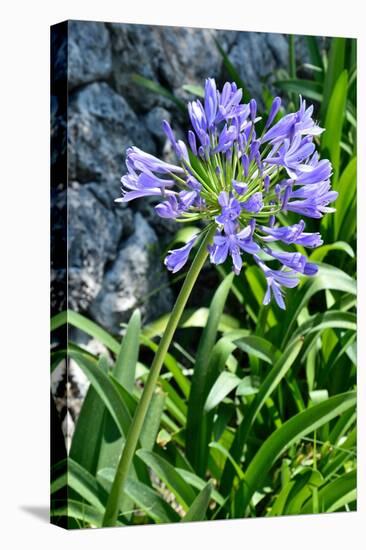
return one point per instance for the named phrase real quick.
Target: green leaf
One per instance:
(328, 277)
(314, 54)
(334, 121)
(224, 384)
(335, 495)
(191, 318)
(124, 374)
(87, 326)
(152, 420)
(77, 510)
(81, 481)
(105, 389)
(258, 347)
(170, 476)
(306, 482)
(198, 508)
(229, 457)
(307, 88)
(269, 384)
(198, 483)
(171, 364)
(197, 425)
(334, 69)
(124, 370)
(247, 386)
(291, 431)
(144, 497)
(322, 321)
(159, 90)
(86, 442)
(56, 358)
(194, 89)
(150, 502)
(319, 254)
(184, 235)
(317, 396)
(346, 187)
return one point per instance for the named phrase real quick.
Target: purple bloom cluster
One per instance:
(241, 181)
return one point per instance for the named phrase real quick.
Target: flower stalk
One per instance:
(123, 468)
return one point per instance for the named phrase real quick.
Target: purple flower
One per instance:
(254, 203)
(293, 260)
(314, 203)
(276, 104)
(177, 258)
(169, 208)
(240, 187)
(294, 124)
(233, 243)
(141, 161)
(242, 181)
(292, 234)
(275, 280)
(210, 101)
(230, 209)
(313, 172)
(292, 154)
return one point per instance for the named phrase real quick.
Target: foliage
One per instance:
(262, 420)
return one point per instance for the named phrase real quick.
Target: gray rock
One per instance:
(137, 272)
(89, 52)
(257, 56)
(171, 56)
(154, 119)
(101, 127)
(93, 236)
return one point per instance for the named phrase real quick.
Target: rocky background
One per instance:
(115, 251)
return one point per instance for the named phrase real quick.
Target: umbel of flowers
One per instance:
(242, 181)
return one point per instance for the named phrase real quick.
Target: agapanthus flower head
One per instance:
(243, 181)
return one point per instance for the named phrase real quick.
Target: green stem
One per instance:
(111, 511)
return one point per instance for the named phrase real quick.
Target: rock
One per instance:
(58, 55)
(170, 56)
(101, 127)
(89, 52)
(93, 235)
(154, 120)
(68, 428)
(257, 56)
(137, 271)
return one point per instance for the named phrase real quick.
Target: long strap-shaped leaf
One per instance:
(86, 325)
(268, 385)
(197, 423)
(85, 443)
(167, 473)
(81, 481)
(124, 373)
(105, 389)
(298, 426)
(335, 495)
(197, 510)
(328, 277)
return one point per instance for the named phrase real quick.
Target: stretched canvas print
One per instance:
(203, 331)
